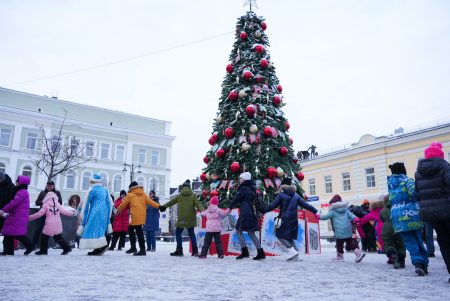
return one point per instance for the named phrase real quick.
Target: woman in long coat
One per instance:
(288, 201)
(96, 218)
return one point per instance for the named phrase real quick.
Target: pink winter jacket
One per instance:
(374, 215)
(214, 216)
(52, 210)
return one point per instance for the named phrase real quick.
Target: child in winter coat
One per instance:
(405, 215)
(53, 225)
(151, 224)
(341, 220)
(214, 216)
(393, 243)
(374, 215)
(120, 224)
(137, 200)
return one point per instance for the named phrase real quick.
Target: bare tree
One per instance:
(59, 155)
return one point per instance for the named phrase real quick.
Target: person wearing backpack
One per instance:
(405, 216)
(433, 185)
(288, 201)
(248, 219)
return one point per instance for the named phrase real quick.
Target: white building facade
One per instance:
(110, 138)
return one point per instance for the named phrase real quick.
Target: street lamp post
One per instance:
(132, 167)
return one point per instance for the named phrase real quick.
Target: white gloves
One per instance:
(110, 229)
(80, 230)
(3, 214)
(115, 211)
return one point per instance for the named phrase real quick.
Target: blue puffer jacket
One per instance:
(405, 204)
(152, 219)
(288, 201)
(341, 219)
(245, 198)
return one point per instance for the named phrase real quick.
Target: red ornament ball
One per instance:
(295, 160)
(258, 78)
(213, 139)
(271, 172)
(247, 75)
(259, 49)
(263, 25)
(276, 100)
(233, 96)
(235, 167)
(268, 131)
(287, 126)
(280, 88)
(250, 110)
(283, 151)
(299, 175)
(206, 159)
(203, 177)
(214, 193)
(264, 63)
(291, 141)
(229, 133)
(204, 193)
(229, 68)
(220, 153)
(243, 35)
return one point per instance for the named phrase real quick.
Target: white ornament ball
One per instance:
(208, 176)
(219, 119)
(280, 172)
(258, 33)
(242, 94)
(253, 129)
(246, 147)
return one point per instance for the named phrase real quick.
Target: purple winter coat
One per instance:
(16, 224)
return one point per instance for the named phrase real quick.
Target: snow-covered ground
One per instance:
(158, 276)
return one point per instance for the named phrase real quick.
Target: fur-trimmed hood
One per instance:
(289, 189)
(338, 205)
(376, 204)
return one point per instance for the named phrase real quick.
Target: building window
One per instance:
(31, 141)
(104, 151)
(155, 158)
(120, 152)
(346, 184)
(74, 143)
(153, 184)
(85, 181)
(104, 179)
(27, 170)
(142, 154)
(312, 186)
(56, 143)
(2, 167)
(370, 177)
(70, 180)
(90, 148)
(117, 183)
(328, 184)
(140, 181)
(5, 137)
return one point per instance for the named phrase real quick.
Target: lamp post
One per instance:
(132, 167)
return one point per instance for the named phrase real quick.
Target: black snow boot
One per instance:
(194, 251)
(178, 252)
(140, 253)
(420, 270)
(395, 262)
(132, 250)
(260, 255)
(244, 253)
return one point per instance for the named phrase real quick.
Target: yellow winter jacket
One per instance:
(137, 200)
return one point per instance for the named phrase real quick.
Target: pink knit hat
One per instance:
(434, 150)
(214, 201)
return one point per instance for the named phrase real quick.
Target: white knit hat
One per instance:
(245, 176)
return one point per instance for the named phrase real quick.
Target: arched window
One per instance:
(85, 181)
(70, 180)
(27, 170)
(2, 167)
(104, 179)
(140, 181)
(153, 184)
(117, 183)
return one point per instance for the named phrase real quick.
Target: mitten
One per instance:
(317, 215)
(110, 229)
(80, 230)
(162, 208)
(356, 220)
(115, 211)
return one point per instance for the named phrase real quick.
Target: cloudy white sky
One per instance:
(348, 67)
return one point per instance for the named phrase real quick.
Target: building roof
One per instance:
(81, 112)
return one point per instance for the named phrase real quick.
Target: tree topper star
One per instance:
(250, 2)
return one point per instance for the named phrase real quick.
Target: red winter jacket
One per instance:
(122, 220)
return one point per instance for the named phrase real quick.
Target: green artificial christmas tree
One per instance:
(250, 130)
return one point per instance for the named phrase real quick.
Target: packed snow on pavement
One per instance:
(158, 276)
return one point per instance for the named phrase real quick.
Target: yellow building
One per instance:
(360, 171)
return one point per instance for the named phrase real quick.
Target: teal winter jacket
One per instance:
(341, 219)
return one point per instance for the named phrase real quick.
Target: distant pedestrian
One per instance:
(433, 184)
(6, 189)
(152, 223)
(120, 224)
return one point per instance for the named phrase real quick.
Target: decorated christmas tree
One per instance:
(250, 130)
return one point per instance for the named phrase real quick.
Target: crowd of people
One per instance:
(396, 222)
